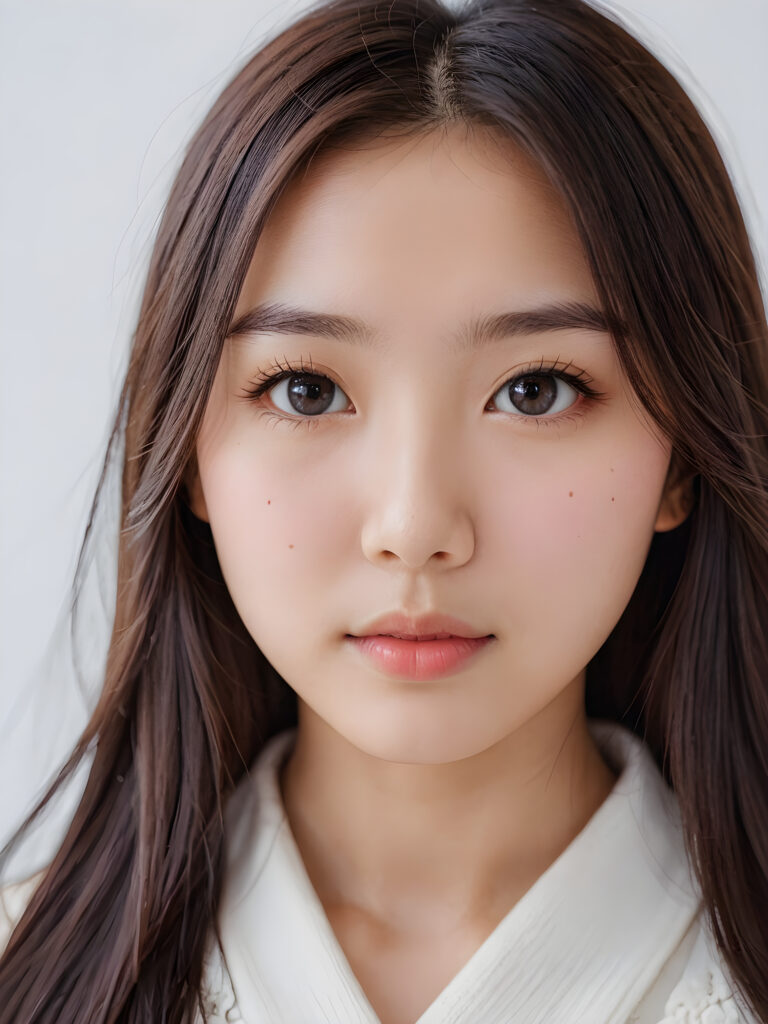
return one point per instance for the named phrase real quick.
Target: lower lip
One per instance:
(419, 659)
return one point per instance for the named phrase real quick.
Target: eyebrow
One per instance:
(283, 318)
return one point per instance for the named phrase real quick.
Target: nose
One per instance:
(420, 506)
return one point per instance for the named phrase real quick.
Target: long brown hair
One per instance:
(117, 928)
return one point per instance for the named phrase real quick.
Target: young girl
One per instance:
(436, 689)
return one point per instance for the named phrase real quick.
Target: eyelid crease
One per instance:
(580, 382)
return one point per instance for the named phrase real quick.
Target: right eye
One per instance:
(307, 394)
(299, 392)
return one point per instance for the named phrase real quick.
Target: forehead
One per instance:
(462, 214)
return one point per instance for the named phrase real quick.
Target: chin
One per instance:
(432, 740)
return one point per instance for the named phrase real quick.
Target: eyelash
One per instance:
(581, 383)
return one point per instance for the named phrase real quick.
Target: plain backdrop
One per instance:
(97, 101)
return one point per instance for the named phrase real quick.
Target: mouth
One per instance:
(420, 637)
(424, 656)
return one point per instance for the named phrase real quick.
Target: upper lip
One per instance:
(418, 626)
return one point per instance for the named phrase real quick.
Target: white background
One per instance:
(97, 100)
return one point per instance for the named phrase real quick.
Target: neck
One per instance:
(442, 842)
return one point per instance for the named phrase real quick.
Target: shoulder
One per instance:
(705, 992)
(14, 897)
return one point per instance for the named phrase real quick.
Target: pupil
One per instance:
(534, 395)
(305, 389)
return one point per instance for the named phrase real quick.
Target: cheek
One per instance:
(573, 530)
(276, 528)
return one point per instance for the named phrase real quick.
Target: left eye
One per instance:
(536, 394)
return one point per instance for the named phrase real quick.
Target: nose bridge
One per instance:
(420, 496)
(422, 443)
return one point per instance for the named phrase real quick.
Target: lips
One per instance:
(432, 626)
(419, 660)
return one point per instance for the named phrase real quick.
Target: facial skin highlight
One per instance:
(418, 492)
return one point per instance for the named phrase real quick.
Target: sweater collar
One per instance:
(584, 943)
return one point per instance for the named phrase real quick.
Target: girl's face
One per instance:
(421, 466)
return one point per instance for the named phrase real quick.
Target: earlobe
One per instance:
(676, 505)
(193, 491)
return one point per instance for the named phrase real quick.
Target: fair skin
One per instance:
(423, 811)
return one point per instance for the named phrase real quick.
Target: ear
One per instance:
(678, 498)
(193, 491)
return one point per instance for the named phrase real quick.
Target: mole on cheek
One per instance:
(570, 494)
(268, 501)
(290, 545)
